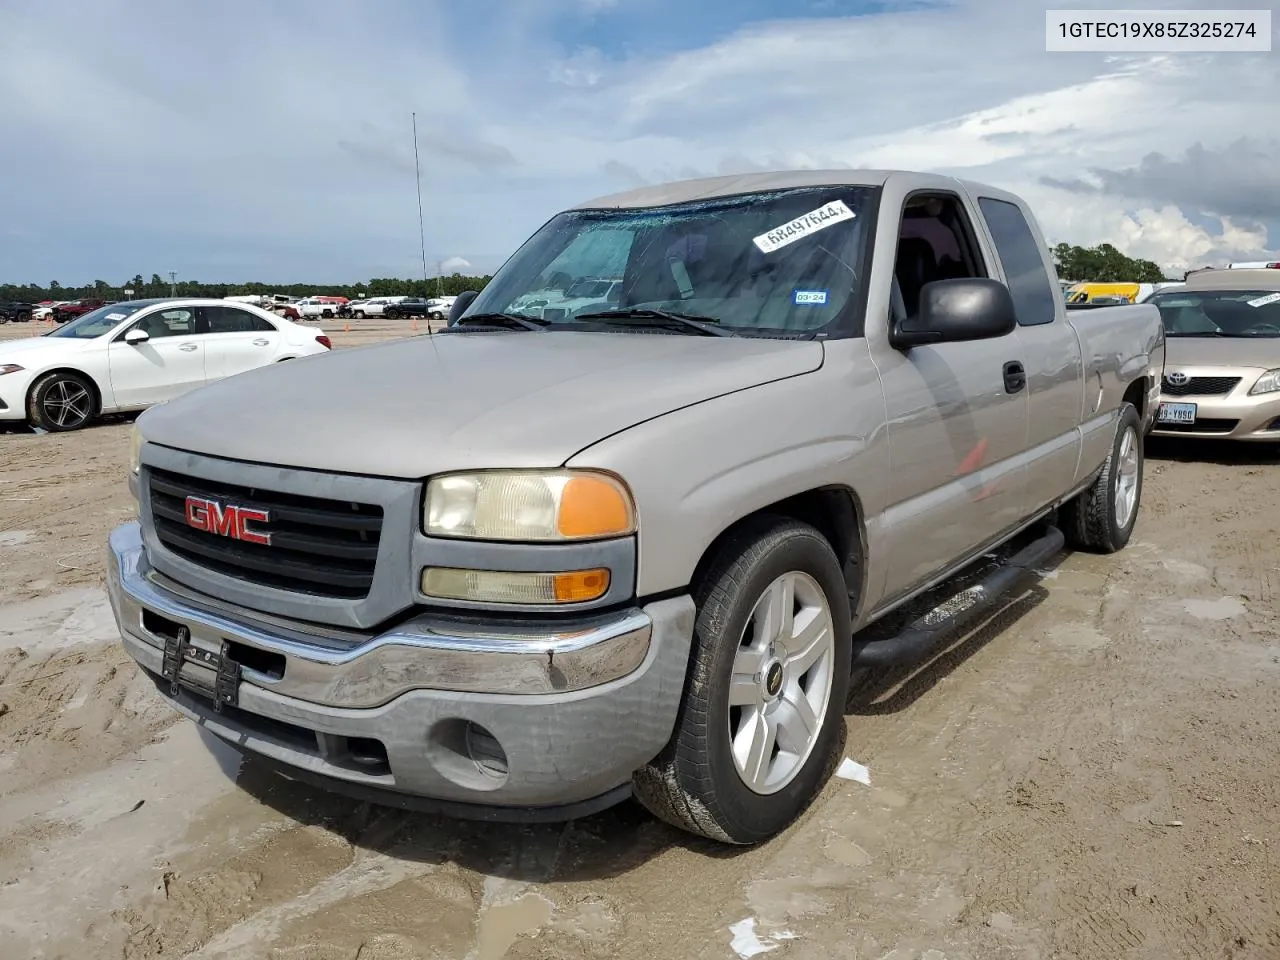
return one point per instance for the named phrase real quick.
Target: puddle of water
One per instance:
(64, 619)
(503, 922)
(15, 538)
(1223, 609)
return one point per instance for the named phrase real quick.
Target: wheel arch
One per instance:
(834, 511)
(94, 387)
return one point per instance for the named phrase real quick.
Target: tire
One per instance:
(1101, 518)
(3, 319)
(59, 402)
(699, 781)
(359, 315)
(24, 317)
(391, 314)
(327, 314)
(437, 316)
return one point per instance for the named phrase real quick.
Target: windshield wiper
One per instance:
(497, 319)
(682, 321)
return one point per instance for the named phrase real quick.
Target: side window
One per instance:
(935, 242)
(232, 320)
(1029, 282)
(177, 322)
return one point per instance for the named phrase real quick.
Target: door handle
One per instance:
(1015, 377)
(261, 342)
(188, 347)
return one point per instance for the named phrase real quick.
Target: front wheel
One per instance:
(59, 402)
(763, 707)
(359, 315)
(24, 317)
(1101, 519)
(391, 314)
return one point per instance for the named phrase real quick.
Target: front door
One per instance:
(168, 363)
(957, 416)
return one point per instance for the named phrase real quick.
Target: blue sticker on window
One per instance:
(809, 298)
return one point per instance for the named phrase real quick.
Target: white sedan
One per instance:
(128, 356)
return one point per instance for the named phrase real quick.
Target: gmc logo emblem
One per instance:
(227, 520)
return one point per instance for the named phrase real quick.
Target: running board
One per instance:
(921, 637)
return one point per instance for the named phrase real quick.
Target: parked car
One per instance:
(75, 308)
(44, 309)
(127, 356)
(1255, 265)
(373, 307)
(311, 308)
(439, 307)
(636, 554)
(408, 307)
(17, 312)
(1222, 378)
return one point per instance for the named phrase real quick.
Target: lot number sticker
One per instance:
(1263, 301)
(799, 228)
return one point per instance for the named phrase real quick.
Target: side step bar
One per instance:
(920, 638)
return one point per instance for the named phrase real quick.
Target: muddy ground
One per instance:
(1093, 775)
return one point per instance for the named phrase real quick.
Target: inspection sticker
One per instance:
(1263, 301)
(825, 216)
(809, 297)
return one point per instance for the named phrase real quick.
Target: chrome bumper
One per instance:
(346, 669)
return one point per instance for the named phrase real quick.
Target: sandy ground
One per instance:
(1093, 775)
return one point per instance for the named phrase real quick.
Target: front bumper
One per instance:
(422, 710)
(1235, 416)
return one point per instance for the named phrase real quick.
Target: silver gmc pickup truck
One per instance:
(526, 567)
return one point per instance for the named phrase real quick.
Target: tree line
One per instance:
(159, 286)
(1100, 264)
(1103, 264)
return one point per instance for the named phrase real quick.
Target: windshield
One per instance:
(95, 323)
(1220, 313)
(783, 263)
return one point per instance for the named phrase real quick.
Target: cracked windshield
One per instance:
(776, 264)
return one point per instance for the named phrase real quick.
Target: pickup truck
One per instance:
(524, 569)
(17, 312)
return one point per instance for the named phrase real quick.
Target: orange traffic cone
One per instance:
(414, 326)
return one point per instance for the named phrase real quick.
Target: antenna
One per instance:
(417, 174)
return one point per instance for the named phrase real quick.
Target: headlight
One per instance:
(555, 506)
(1269, 382)
(135, 450)
(9, 368)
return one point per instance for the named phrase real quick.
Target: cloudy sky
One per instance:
(245, 140)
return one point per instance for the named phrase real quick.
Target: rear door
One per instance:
(237, 341)
(1050, 350)
(170, 362)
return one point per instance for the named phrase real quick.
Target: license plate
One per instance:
(222, 688)
(1176, 413)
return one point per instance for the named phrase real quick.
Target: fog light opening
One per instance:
(468, 754)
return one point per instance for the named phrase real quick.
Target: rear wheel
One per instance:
(358, 314)
(61, 401)
(1102, 518)
(763, 706)
(24, 317)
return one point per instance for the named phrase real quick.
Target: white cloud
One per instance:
(455, 265)
(204, 137)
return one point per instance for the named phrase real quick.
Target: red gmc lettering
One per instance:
(227, 520)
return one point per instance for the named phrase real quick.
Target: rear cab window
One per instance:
(1034, 298)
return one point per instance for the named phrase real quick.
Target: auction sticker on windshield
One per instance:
(809, 297)
(1263, 301)
(825, 216)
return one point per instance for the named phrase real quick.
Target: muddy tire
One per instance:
(59, 402)
(1101, 519)
(763, 707)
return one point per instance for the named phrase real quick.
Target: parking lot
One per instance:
(1093, 774)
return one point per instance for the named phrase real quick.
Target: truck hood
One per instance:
(414, 407)
(1254, 352)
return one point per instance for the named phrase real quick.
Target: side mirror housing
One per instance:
(136, 337)
(952, 311)
(460, 305)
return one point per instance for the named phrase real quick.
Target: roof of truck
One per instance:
(1239, 279)
(706, 188)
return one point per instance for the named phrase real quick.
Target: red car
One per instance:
(69, 311)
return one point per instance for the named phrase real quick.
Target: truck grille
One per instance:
(1201, 387)
(321, 547)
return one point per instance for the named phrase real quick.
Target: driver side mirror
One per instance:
(460, 305)
(136, 336)
(952, 311)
